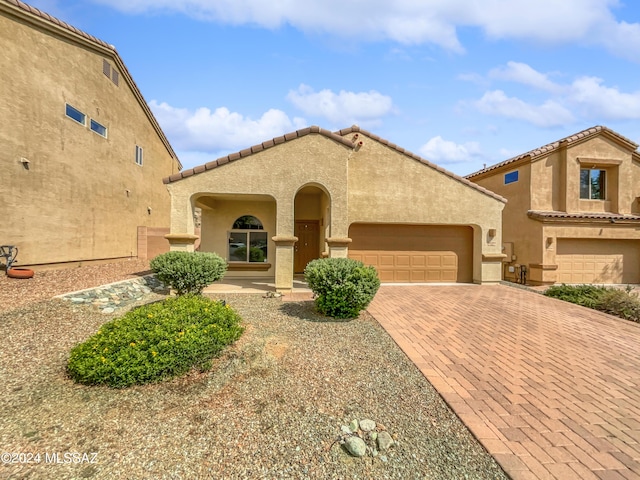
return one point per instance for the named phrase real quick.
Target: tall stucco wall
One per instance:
(82, 196)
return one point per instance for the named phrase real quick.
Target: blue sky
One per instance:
(460, 82)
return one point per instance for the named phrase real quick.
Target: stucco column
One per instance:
(492, 256)
(284, 262)
(181, 242)
(338, 247)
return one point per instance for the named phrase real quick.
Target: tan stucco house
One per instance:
(573, 213)
(270, 209)
(81, 154)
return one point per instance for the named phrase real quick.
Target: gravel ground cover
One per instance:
(49, 283)
(271, 407)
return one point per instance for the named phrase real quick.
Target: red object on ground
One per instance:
(20, 273)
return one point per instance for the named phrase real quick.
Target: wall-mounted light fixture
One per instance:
(149, 210)
(25, 162)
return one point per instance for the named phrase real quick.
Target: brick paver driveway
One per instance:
(549, 388)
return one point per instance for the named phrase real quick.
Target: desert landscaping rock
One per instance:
(110, 297)
(353, 426)
(367, 425)
(356, 446)
(384, 441)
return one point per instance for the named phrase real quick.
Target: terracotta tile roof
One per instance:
(336, 136)
(609, 217)
(545, 149)
(46, 19)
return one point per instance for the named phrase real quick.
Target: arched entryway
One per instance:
(312, 214)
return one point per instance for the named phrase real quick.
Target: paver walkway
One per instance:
(552, 390)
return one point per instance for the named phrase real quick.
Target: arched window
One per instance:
(247, 240)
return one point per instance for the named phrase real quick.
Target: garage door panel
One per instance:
(418, 260)
(418, 276)
(598, 261)
(402, 276)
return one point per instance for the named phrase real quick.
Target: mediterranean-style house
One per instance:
(271, 208)
(573, 212)
(82, 155)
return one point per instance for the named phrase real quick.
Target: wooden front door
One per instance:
(307, 247)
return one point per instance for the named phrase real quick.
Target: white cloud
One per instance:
(343, 108)
(587, 97)
(597, 100)
(419, 22)
(204, 130)
(549, 114)
(439, 150)
(524, 74)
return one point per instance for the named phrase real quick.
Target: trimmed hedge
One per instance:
(155, 342)
(188, 272)
(343, 287)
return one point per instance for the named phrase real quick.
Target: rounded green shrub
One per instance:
(343, 287)
(188, 272)
(155, 342)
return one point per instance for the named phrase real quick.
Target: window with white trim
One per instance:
(98, 128)
(247, 240)
(75, 114)
(139, 155)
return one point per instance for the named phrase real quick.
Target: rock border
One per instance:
(108, 298)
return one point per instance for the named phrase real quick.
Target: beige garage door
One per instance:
(598, 261)
(414, 253)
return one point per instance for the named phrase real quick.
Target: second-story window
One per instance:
(98, 128)
(511, 177)
(75, 114)
(139, 155)
(593, 184)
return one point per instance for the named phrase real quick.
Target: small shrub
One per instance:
(585, 295)
(188, 272)
(621, 303)
(155, 342)
(343, 287)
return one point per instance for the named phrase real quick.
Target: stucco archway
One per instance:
(312, 219)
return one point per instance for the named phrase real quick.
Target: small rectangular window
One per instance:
(99, 129)
(76, 115)
(139, 155)
(511, 177)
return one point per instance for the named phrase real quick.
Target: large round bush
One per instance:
(343, 287)
(188, 272)
(155, 342)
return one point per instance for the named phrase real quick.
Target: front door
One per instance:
(307, 247)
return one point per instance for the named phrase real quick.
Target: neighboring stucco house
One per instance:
(572, 214)
(270, 209)
(81, 154)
